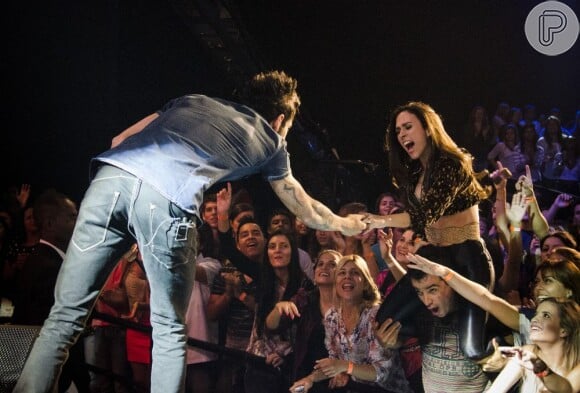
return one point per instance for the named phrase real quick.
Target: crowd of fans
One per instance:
(305, 300)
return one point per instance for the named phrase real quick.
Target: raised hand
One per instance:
(224, 200)
(516, 211)
(500, 175)
(287, 308)
(563, 200)
(496, 362)
(524, 357)
(419, 263)
(23, 195)
(525, 184)
(385, 241)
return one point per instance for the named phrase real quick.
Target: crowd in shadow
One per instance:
(302, 298)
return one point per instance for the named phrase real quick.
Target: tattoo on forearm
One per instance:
(318, 215)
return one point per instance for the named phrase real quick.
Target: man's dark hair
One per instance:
(415, 274)
(431, 253)
(241, 207)
(271, 94)
(244, 221)
(281, 212)
(352, 208)
(207, 198)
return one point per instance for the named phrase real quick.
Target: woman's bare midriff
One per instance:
(467, 218)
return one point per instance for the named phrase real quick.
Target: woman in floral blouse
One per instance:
(353, 350)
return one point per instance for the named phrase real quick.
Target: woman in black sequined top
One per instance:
(442, 195)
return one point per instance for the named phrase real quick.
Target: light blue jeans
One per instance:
(117, 210)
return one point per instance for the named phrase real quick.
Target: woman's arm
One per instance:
(509, 279)
(500, 177)
(331, 367)
(472, 291)
(526, 186)
(397, 220)
(369, 255)
(526, 358)
(556, 383)
(386, 245)
(284, 308)
(510, 374)
(494, 153)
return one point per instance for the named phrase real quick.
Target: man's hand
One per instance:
(388, 333)
(355, 224)
(224, 199)
(233, 282)
(496, 362)
(419, 263)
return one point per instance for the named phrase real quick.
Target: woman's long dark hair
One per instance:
(401, 165)
(267, 293)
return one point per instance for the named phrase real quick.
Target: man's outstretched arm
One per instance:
(315, 214)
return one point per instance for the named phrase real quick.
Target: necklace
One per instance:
(350, 321)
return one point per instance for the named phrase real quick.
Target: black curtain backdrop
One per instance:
(76, 73)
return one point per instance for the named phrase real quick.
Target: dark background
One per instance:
(77, 73)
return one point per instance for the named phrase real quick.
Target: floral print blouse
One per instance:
(362, 347)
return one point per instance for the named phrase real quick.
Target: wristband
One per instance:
(242, 296)
(515, 229)
(541, 369)
(369, 255)
(223, 217)
(544, 374)
(448, 276)
(350, 368)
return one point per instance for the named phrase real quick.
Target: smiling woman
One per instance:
(280, 280)
(353, 349)
(552, 362)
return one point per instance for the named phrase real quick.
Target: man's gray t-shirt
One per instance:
(198, 141)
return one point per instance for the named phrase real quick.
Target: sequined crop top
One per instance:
(449, 191)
